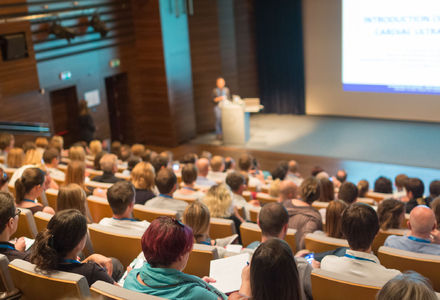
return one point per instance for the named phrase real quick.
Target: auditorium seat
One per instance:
(367, 201)
(425, 264)
(10, 171)
(241, 212)
(319, 242)
(187, 198)
(26, 225)
(253, 214)
(106, 291)
(247, 196)
(51, 196)
(98, 185)
(334, 286)
(99, 208)
(11, 189)
(378, 197)
(220, 228)
(147, 213)
(7, 287)
(199, 260)
(56, 285)
(381, 236)
(266, 198)
(318, 204)
(251, 232)
(113, 242)
(63, 167)
(252, 188)
(41, 220)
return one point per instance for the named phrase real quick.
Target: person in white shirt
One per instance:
(360, 225)
(216, 173)
(121, 199)
(202, 172)
(51, 158)
(166, 182)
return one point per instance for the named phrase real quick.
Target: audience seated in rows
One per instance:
(202, 174)
(9, 215)
(189, 177)
(72, 196)
(109, 167)
(422, 225)
(166, 182)
(216, 173)
(166, 245)
(142, 177)
(121, 197)
(28, 188)
(58, 247)
(360, 225)
(272, 274)
(302, 216)
(391, 213)
(407, 286)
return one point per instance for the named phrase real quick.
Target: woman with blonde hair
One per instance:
(15, 158)
(142, 177)
(95, 147)
(57, 141)
(77, 153)
(72, 196)
(76, 173)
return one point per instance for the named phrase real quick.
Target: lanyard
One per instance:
(6, 246)
(165, 196)
(125, 219)
(189, 188)
(358, 258)
(71, 261)
(416, 239)
(29, 200)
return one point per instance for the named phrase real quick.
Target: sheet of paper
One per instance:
(234, 248)
(227, 272)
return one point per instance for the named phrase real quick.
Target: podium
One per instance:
(236, 121)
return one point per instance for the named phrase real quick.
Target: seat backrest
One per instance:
(93, 173)
(187, 198)
(220, 228)
(378, 197)
(251, 232)
(253, 214)
(381, 236)
(148, 213)
(51, 196)
(106, 291)
(200, 259)
(57, 285)
(333, 286)
(112, 242)
(266, 198)
(99, 185)
(319, 204)
(41, 220)
(99, 208)
(247, 195)
(26, 225)
(316, 242)
(7, 287)
(425, 264)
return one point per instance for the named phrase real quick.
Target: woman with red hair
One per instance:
(166, 245)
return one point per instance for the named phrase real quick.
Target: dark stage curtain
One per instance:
(280, 55)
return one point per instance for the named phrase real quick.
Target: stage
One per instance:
(374, 146)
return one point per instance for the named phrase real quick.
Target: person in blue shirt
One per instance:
(166, 245)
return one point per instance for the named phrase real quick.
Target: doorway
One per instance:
(64, 105)
(117, 99)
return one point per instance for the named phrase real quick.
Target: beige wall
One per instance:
(324, 94)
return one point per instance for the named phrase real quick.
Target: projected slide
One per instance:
(391, 46)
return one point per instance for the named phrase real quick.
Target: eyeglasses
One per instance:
(17, 212)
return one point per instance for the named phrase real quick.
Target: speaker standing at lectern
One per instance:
(219, 94)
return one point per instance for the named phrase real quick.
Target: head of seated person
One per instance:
(333, 218)
(327, 190)
(132, 162)
(125, 152)
(217, 164)
(8, 219)
(159, 162)
(360, 225)
(189, 174)
(28, 145)
(219, 201)
(95, 147)
(348, 192)
(58, 246)
(77, 153)
(341, 176)
(115, 148)
(15, 158)
(76, 173)
(273, 220)
(57, 141)
(280, 171)
(109, 163)
(288, 190)
(33, 157)
(142, 176)
(363, 187)
(229, 163)
(7, 142)
(197, 217)
(189, 158)
(415, 189)
(202, 167)
(236, 182)
(399, 181)
(309, 190)
(137, 150)
(272, 273)
(383, 185)
(391, 213)
(72, 196)
(421, 222)
(120, 196)
(51, 157)
(166, 181)
(407, 286)
(98, 156)
(245, 162)
(435, 205)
